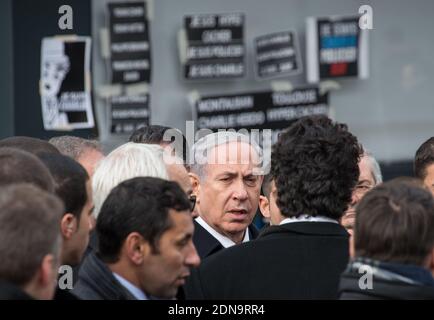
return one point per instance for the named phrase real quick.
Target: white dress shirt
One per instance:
(307, 218)
(225, 241)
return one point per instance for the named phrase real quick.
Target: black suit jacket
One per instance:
(9, 291)
(301, 260)
(207, 245)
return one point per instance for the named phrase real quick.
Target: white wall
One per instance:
(391, 113)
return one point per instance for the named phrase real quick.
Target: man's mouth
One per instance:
(238, 214)
(182, 279)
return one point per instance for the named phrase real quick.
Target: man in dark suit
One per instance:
(145, 246)
(226, 182)
(303, 253)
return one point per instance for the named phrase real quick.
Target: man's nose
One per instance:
(192, 259)
(240, 192)
(355, 198)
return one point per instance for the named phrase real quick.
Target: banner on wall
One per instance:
(214, 46)
(65, 83)
(130, 51)
(277, 54)
(274, 110)
(128, 113)
(336, 47)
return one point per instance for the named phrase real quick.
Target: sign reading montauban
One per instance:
(129, 42)
(215, 46)
(260, 110)
(277, 54)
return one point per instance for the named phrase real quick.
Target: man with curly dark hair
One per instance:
(315, 168)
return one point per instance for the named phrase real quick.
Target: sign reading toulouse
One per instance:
(129, 42)
(277, 54)
(215, 46)
(129, 112)
(336, 48)
(259, 110)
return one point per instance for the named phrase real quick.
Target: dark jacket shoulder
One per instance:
(97, 282)
(300, 260)
(9, 291)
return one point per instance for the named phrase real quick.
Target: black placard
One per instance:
(274, 110)
(129, 42)
(215, 46)
(338, 47)
(277, 54)
(129, 112)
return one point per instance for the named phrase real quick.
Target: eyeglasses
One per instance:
(192, 199)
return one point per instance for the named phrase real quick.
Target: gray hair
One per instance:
(128, 161)
(202, 148)
(375, 167)
(74, 147)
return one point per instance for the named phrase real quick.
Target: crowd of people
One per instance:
(148, 221)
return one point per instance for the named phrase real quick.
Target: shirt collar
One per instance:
(307, 218)
(225, 241)
(136, 292)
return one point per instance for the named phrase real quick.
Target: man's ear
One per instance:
(195, 184)
(68, 225)
(47, 271)
(137, 248)
(264, 207)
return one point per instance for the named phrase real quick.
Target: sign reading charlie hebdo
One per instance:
(274, 110)
(65, 83)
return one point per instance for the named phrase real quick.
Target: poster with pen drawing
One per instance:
(65, 83)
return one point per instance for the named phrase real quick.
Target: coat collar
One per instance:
(97, 275)
(306, 228)
(207, 245)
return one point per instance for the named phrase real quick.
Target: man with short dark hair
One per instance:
(33, 145)
(393, 244)
(315, 166)
(29, 242)
(72, 185)
(145, 246)
(424, 163)
(154, 134)
(18, 166)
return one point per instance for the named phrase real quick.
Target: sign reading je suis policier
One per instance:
(215, 46)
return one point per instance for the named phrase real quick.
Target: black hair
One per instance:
(137, 205)
(315, 167)
(69, 181)
(423, 158)
(154, 134)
